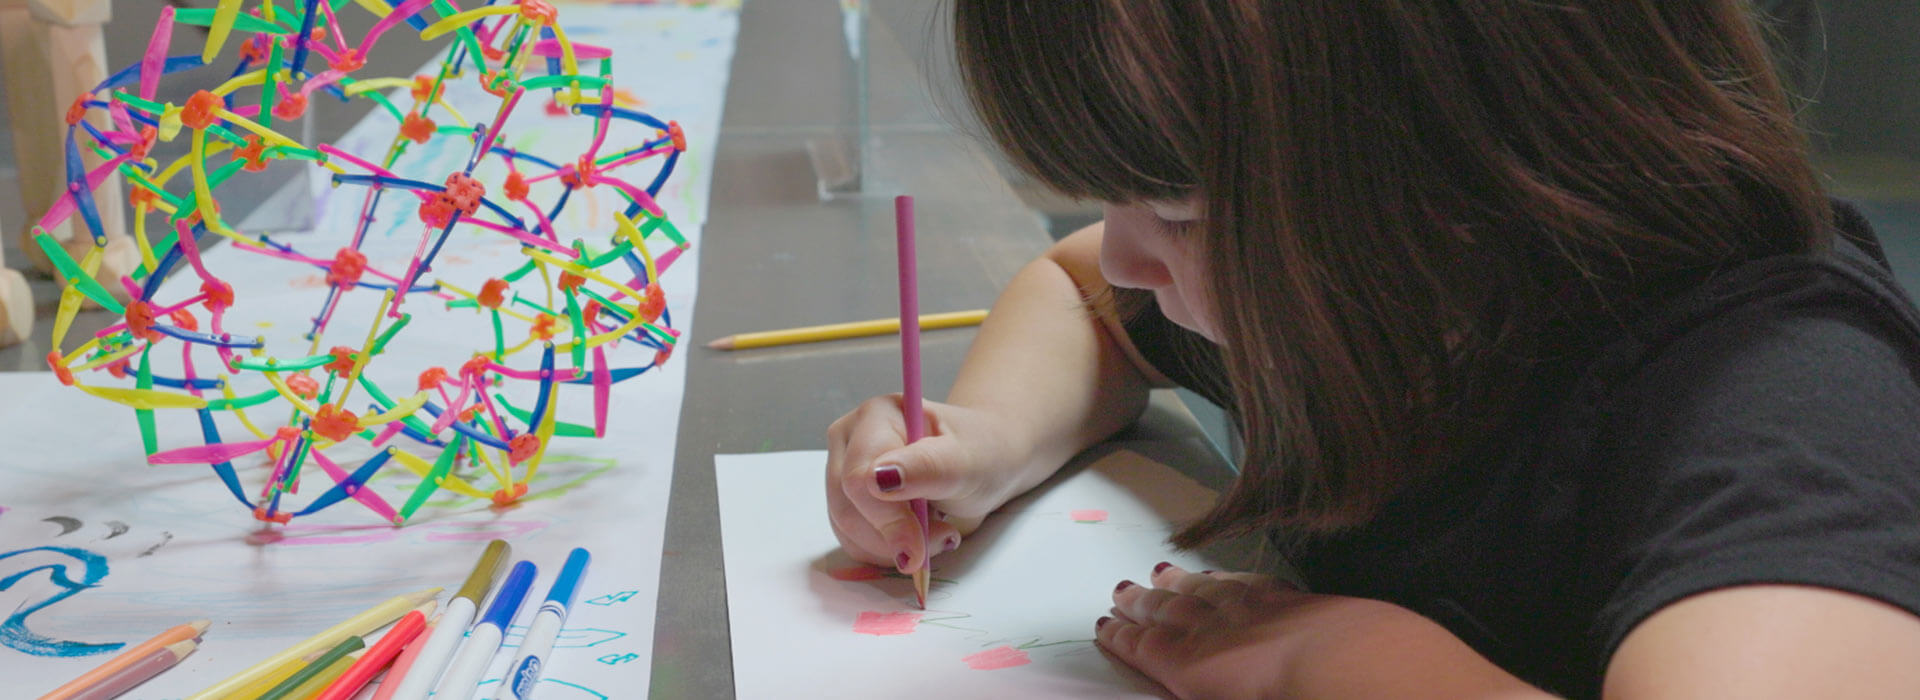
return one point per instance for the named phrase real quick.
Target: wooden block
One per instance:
(72, 13)
(47, 66)
(16, 308)
(16, 305)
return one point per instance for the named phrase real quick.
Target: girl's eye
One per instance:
(1182, 227)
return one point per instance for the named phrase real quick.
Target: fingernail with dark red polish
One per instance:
(1124, 585)
(1102, 622)
(1208, 572)
(902, 561)
(1162, 566)
(887, 478)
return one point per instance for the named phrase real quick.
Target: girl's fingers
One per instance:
(909, 549)
(857, 536)
(932, 468)
(1159, 606)
(1216, 587)
(1120, 637)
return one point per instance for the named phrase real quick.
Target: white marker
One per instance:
(471, 662)
(524, 672)
(453, 625)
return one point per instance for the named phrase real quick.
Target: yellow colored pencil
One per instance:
(318, 683)
(359, 625)
(272, 677)
(837, 331)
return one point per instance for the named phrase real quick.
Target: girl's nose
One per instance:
(1127, 257)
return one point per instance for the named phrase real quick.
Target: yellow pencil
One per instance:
(318, 683)
(273, 676)
(857, 329)
(359, 625)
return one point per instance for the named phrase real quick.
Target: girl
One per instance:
(1555, 370)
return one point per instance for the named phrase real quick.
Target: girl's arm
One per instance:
(1053, 360)
(1050, 373)
(1770, 641)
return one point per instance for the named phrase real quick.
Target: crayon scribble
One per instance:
(555, 688)
(612, 598)
(66, 524)
(570, 637)
(997, 658)
(302, 535)
(1088, 516)
(14, 632)
(885, 623)
(165, 537)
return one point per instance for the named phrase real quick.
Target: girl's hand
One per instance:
(960, 467)
(1236, 635)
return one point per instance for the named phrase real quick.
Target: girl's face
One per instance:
(1155, 245)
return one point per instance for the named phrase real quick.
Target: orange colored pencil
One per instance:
(178, 633)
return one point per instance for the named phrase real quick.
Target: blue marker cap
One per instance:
(567, 586)
(506, 601)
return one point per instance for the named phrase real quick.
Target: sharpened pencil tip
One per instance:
(920, 581)
(721, 344)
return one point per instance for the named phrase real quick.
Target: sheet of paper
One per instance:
(98, 549)
(1009, 615)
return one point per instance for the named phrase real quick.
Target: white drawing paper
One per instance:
(1010, 614)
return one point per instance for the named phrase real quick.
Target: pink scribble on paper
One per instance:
(883, 624)
(304, 535)
(481, 532)
(997, 658)
(1088, 516)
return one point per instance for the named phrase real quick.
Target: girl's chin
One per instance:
(1182, 320)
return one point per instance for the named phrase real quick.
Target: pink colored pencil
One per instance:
(910, 370)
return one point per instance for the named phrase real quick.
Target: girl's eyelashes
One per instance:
(1181, 227)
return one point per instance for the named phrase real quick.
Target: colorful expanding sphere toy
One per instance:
(562, 316)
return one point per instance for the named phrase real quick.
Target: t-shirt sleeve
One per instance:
(1776, 444)
(1182, 355)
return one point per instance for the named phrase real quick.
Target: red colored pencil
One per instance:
(404, 663)
(910, 370)
(376, 658)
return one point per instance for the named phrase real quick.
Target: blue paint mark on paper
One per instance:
(14, 633)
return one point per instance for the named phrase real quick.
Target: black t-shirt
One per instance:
(1763, 427)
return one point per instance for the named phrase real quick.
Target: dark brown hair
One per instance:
(1408, 203)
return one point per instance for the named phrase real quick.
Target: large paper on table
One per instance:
(1009, 615)
(98, 549)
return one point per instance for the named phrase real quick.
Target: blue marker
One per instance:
(471, 662)
(524, 672)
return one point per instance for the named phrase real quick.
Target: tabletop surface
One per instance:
(774, 255)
